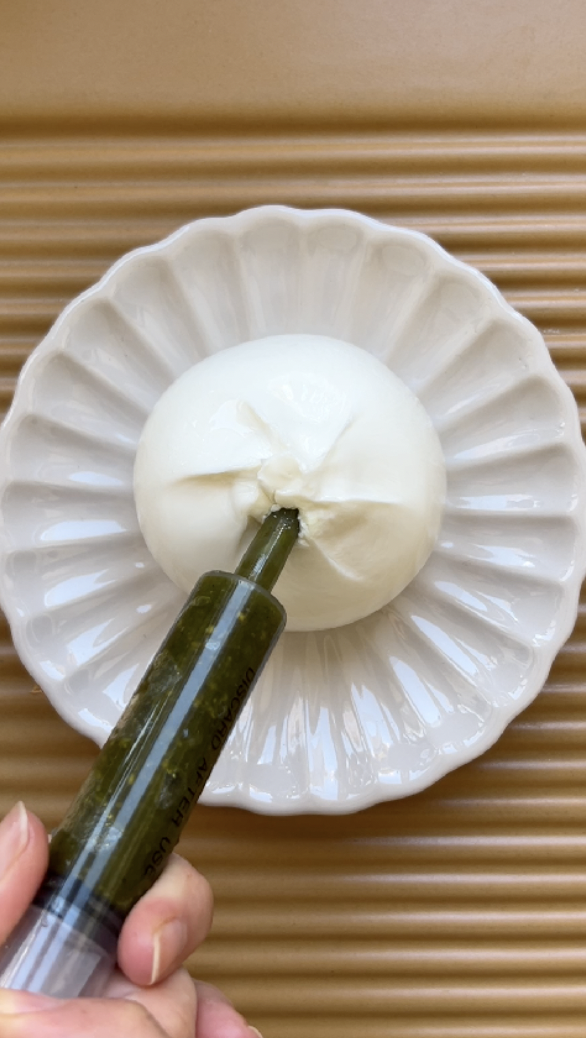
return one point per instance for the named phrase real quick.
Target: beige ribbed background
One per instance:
(459, 913)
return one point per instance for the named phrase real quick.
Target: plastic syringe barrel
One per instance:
(129, 814)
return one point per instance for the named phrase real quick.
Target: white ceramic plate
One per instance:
(344, 718)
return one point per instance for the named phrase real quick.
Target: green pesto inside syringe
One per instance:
(129, 814)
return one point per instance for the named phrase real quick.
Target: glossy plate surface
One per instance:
(341, 719)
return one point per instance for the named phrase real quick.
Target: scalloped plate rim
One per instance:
(545, 653)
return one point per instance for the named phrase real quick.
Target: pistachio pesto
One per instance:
(130, 812)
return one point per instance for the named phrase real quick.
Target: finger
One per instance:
(166, 925)
(217, 1018)
(23, 863)
(216, 1015)
(172, 1003)
(165, 1011)
(34, 1016)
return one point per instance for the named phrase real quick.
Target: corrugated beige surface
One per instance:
(302, 61)
(459, 913)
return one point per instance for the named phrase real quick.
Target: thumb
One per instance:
(23, 1015)
(217, 1017)
(23, 860)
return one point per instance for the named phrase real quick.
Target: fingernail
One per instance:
(169, 942)
(14, 835)
(14, 1002)
(255, 1032)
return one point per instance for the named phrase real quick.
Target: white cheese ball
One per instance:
(294, 421)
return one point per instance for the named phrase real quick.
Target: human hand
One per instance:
(150, 995)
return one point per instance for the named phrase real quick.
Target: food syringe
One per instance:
(129, 814)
